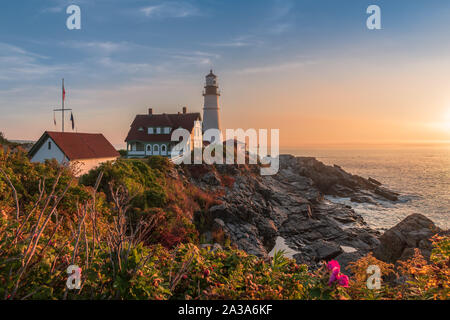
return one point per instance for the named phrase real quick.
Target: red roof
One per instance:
(174, 121)
(78, 146)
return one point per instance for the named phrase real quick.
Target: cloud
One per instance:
(281, 17)
(280, 28)
(281, 9)
(100, 47)
(19, 64)
(52, 10)
(276, 68)
(238, 42)
(127, 67)
(128, 51)
(197, 57)
(170, 9)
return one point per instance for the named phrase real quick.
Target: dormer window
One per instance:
(167, 130)
(141, 129)
(150, 130)
(158, 130)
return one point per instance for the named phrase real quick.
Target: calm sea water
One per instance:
(421, 174)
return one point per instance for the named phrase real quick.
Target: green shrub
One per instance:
(159, 163)
(144, 184)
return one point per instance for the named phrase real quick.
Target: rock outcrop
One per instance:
(333, 180)
(288, 211)
(256, 211)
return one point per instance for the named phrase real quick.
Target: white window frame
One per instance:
(156, 149)
(150, 130)
(158, 130)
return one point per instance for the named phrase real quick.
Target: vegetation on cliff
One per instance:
(129, 228)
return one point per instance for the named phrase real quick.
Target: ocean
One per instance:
(420, 173)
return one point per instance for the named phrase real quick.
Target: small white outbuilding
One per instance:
(87, 149)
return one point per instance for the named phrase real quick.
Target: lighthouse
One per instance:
(211, 95)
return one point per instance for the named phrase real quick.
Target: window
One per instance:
(150, 130)
(149, 148)
(167, 130)
(139, 146)
(158, 130)
(141, 129)
(49, 145)
(163, 149)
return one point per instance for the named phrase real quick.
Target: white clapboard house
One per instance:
(87, 149)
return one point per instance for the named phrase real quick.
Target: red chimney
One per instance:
(150, 111)
(184, 109)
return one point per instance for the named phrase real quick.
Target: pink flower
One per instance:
(343, 280)
(333, 264)
(334, 275)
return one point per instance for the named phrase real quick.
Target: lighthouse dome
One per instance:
(211, 80)
(211, 74)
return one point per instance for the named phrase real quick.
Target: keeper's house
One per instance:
(87, 149)
(150, 134)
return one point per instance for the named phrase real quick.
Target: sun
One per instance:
(443, 123)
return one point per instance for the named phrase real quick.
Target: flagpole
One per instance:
(62, 96)
(63, 109)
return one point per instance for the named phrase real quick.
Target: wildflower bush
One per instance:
(136, 240)
(428, 280)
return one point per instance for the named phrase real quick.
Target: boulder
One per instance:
(326, 250)
(399, 242)
(346, 258)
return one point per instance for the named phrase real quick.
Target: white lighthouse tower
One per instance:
(211, 118)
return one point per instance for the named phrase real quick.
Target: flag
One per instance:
(73, 121)
(54, 118)
(64, 92)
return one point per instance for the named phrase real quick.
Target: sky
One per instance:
(310, 68)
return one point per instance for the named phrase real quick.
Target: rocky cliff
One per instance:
(288, 210)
